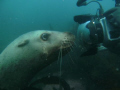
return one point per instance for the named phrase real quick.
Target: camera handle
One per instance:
(107, 29)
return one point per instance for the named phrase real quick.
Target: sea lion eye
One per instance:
(45, 36)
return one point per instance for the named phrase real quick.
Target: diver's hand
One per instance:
(113, 16)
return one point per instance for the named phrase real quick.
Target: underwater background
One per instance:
(98, 72)
(21, 16)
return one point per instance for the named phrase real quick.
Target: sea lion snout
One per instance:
(70, 36)
(68, 40)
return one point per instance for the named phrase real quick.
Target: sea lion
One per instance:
(30, 53)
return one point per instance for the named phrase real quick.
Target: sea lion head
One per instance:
(30, 53)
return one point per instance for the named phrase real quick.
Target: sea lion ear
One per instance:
(23, 43)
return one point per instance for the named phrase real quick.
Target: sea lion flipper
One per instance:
(23, 43)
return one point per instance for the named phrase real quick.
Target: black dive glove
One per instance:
(113, 16)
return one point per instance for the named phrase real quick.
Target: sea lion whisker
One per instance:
(71, 58)
(71, 47)
(59, 56)
(60, 60)
(75, 44)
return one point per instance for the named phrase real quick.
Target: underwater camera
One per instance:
(95, 31)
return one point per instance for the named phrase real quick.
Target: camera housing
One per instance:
(95, 33)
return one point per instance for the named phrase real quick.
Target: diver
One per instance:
(100, 30)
